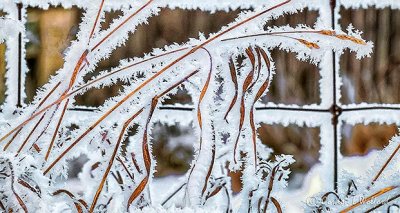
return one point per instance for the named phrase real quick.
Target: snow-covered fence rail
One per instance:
(329, 115)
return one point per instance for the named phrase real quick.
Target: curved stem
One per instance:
(129, 95)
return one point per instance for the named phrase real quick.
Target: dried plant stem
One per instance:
(371, 197)
(271, 33)
(322, 32)
(146, 157)
(104, 116)
(56, 130)
(145, 150)
(76, 202)
(228, 196)
(86, 85)
(202, 95)
(37, 113)
(19, 199)
(185, 48)
(112, 158)
(12, 139)
(383, 203)
(2, 206)
(386, 164)
(144, 83)
(36, 147)
(232, 69)
(47, 124)
(247, 82)
(276, 204)
(122, 69)
(309, 44)
(65, 96)
(30, 134)
(120, 25)
(259, 64)
(77, 69)
(135, 163)
(40, 104)
(100, 120)
(271, 185)
(210, 168)
(159, 73)
(28, 186)
(200, 122)
(260, 92)
(252, 122)
(126, 168)
(48, 95)
(173, 194)
(215, 192)
(97, 19)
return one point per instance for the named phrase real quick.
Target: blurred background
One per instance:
(372, 80)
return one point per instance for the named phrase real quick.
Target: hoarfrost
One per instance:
(38, 139)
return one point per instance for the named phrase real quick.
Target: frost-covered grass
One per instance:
(37, 139)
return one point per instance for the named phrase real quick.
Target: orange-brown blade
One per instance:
(277, 205)
(138, 191)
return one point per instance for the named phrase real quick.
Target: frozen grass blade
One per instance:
(276, 204)
(30, 134)
(135, 163)
(129, 95)
(369, 198)
(19, 199)
(25, 184)
(112, 158)
(259, 94)
(56, 130)
(126, 168)
(72, 196)
(210, 168)
(247, 82)
(97, 19)
(232, 69)
(161, 69)
(120, 25)
(385, 164)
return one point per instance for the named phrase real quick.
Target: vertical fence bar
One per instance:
(335, 110)
(19, 98)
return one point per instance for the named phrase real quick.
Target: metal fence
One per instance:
(329, 115)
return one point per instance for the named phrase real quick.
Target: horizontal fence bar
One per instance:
(267, 108)
(370, 108)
